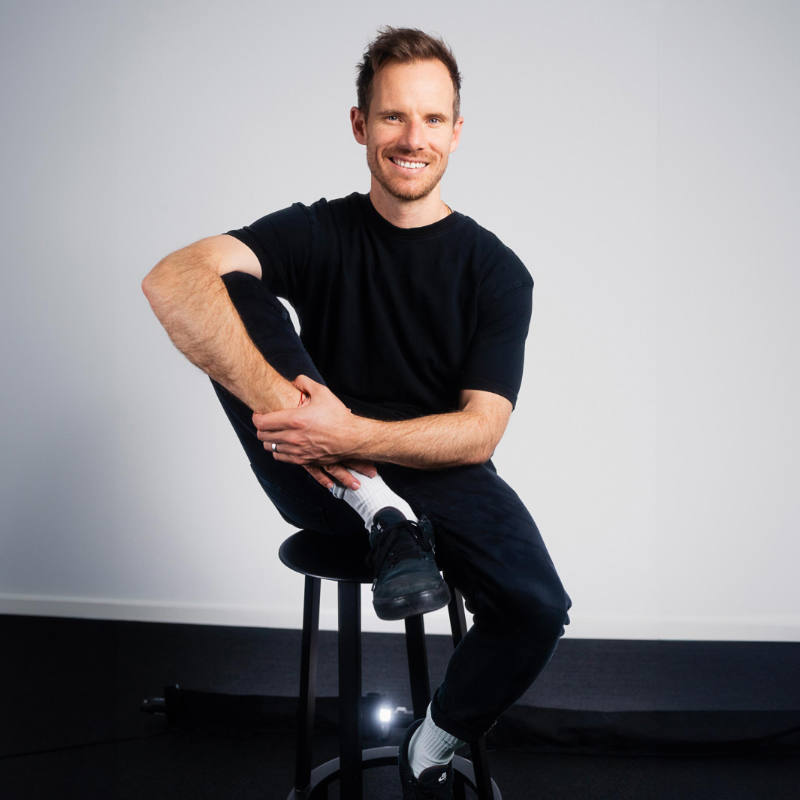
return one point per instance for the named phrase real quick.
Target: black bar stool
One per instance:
(319, 557)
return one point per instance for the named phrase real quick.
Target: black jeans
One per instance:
(487, 543)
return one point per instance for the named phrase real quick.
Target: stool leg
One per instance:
(480, 759)
(458, 619)
(350, 689)
(480, 763)
(308, 679)
(458, 627)
(418, 665)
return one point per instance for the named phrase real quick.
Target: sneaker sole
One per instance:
(408, 605)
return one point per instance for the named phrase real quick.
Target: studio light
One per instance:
(379, 716)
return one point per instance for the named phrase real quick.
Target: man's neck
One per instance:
(405, 213)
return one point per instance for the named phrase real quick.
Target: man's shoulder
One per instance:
(336, 207)
(502, 267)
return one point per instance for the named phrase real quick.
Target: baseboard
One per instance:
(582, 626)
(147, 611)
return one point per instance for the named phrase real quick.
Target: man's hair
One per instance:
(404, 45)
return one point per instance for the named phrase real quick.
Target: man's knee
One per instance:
(254, 302)
(551, 621)
(269, 325)
(536, 610)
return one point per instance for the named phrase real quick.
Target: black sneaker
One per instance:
(434, 783)
(401, 557)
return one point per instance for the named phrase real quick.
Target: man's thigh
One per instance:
(299, 498)
(487, 543)
(304, 503)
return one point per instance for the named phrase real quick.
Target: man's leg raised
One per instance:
(407, 579)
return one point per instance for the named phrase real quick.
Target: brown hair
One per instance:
(404, 45)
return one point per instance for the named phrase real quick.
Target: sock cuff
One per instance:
(434, 735)
(373, 495)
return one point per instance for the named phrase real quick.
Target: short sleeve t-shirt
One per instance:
(397, 320)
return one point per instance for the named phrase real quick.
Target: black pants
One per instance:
(487, 543)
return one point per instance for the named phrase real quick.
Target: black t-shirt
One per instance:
(397, 320)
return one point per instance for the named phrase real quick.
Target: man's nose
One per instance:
(414, 134)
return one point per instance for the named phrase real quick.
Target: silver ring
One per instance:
(274, 447)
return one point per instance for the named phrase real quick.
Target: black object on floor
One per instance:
(607, 719)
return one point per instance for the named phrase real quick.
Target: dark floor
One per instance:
(606, 719)
(207, 766)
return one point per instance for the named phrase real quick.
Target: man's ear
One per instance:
(456, 134)
(359, 124)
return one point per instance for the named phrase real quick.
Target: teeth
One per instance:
(409, 164)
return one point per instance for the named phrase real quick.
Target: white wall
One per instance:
(640, 157)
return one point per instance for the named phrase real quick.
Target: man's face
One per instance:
(410, 121)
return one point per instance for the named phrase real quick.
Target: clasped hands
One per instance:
(318, 435)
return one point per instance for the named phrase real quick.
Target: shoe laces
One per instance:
(407, 539)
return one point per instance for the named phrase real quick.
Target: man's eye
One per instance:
(435, 119)
(391, 116)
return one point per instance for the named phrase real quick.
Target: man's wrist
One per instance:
(361, 437)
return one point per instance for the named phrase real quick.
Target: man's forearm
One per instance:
(191, 302)
(431, 442)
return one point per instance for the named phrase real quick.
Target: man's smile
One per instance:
(408, 166)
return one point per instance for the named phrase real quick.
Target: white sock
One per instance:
(371, 497)
(430, 746)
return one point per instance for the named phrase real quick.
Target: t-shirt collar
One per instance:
(375, 218)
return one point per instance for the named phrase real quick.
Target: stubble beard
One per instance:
(399, 188)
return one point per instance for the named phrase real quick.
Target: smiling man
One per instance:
(409, 137)
(381, 417)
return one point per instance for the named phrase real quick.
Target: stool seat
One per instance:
(332, 557)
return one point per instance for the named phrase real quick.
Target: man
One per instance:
(395, 394)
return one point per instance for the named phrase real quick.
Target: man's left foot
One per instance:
(433, 783)
(407, 580)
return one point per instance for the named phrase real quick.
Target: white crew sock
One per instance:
(371, 497)
(430, 746)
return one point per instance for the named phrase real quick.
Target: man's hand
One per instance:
(320, 430)
(338, 473)
(317, 435)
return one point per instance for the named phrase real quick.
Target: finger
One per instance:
(319, 475)
(291, 437)
(342, 476)
(284, 449)
(367, 468)
(289, 459)
(277, 420)
(284, 435)
(274, 436)
(306, 384)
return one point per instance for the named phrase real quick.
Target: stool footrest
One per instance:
(380, 757)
